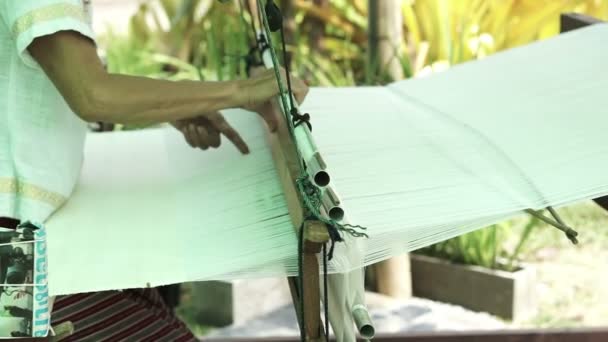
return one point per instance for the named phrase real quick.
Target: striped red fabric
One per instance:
(65, 301)
(130, 315)
(8, 222)
(136, 327)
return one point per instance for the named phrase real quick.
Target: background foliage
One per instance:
(207, 39)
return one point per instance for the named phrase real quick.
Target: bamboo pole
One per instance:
(392, 276)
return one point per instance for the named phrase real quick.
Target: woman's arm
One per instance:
(71, 62)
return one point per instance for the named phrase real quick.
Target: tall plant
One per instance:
(439, 33)
(484, 247)
(204, 33)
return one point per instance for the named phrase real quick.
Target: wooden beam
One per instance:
(315, 232)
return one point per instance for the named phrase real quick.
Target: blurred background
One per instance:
(352, 43)
(328, 39)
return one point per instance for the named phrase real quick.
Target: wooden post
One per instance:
(385, 23)
(392, 276)
(315, 232)
(315, 235)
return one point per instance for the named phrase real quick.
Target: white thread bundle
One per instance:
(417, 162)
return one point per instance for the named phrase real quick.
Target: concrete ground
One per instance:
(262, 308)
(393, 316)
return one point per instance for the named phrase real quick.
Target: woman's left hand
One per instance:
(204, 132)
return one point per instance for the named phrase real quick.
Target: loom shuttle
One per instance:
(363, 322)
(317, 169)
(331, 204)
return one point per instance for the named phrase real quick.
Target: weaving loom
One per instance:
(415, 162)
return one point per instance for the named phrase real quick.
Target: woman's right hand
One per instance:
(257, 91)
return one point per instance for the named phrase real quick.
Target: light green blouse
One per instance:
(41, 139)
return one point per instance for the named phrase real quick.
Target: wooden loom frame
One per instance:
(314, 236)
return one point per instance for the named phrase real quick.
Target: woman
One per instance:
(52, 83)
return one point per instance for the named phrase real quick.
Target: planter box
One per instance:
(222, 303)
(509, 295)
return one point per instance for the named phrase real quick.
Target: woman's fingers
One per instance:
(205, 131)
(268, 112)
(264, 86)
(213, 136)
(262, 90)
(186, 132)
(198, 135)
(300, 89)
(221, 125)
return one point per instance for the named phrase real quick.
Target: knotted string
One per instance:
(298, 118)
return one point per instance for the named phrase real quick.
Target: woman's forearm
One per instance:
(70, 61)
(139, 100)
(72, 64)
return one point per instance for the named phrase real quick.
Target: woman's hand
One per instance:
(204, 132)
(71, 62)
(263, 88)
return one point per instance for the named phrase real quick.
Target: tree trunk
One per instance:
(392, 276)
(385, 39)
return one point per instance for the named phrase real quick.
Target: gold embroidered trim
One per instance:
(14, 186)
(47, 13)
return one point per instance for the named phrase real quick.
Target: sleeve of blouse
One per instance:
(28, 19)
